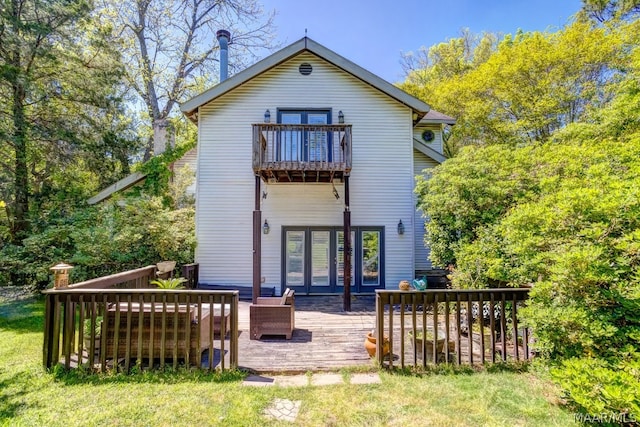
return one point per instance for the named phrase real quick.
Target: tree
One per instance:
(607, 10)
(56, 79)
(428, 69)
(561, 216)
(530, 86)
(169, 46)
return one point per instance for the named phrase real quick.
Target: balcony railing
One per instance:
(301, 153)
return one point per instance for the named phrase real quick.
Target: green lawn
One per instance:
(33, 397)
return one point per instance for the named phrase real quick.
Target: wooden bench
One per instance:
(272, 316)
(170, 331)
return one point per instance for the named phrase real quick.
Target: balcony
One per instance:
(301, 153)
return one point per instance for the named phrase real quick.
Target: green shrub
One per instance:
(571, 231)
(97, 241)
(598, 387)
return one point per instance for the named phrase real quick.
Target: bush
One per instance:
(567, 223)
(97, 241)
(601, 388)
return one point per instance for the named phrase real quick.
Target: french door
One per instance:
(308, 145)
(313, 259)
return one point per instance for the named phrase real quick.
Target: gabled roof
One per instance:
(434, 116)
(190, 107)
(123, 184)
(428, 151)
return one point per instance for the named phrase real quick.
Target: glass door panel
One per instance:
(370, 258)
(291, 141)
(295, 258)
(317, 140)
(340, 258)
(320, 247)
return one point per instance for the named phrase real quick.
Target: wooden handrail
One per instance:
(116, 279)
(436, 326)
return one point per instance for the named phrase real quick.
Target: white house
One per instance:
(295, 150)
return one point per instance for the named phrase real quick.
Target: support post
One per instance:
(257, 243)
(347, 248)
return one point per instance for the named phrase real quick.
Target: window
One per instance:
(297, 145)
(313, 259)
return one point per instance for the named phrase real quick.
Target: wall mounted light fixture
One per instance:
(267, 116)
(400, 228)
(265, 227)
(340, 117)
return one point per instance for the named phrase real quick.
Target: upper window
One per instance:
(304, 145)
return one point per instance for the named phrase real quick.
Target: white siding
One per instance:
(420, 163)
(381, 181)
(436, 144)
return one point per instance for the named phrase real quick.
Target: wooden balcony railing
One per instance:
(115, 322)
(301, 153)
(450, 326)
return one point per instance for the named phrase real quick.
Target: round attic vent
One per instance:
(305, 69)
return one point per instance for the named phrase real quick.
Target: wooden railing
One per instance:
(102, 326)
(132, 279)
(283, 152)
(191, 272)
(450, 326)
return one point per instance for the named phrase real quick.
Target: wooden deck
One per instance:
(328, 338)
(325, 337)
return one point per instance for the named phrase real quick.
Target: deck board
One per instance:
(325, 337)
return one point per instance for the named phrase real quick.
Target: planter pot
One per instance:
(370, 345)
(87, 345)
(441, 347)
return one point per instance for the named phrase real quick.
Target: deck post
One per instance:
(347, 248)
(257, 243)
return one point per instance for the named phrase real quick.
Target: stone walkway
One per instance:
(287, 410)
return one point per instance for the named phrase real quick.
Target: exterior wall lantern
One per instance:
(61, 275)
(400, 228)
(267, 116)
(265, 227)
(340, 117)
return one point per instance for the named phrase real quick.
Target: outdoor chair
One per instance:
(272, 316)
(181, 333)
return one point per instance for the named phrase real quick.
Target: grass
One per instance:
(29, 395)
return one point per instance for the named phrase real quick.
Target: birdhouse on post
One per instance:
(61, 275)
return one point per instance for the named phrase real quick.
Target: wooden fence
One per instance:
(114, 321)
(450, 326)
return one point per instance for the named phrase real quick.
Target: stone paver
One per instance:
(292, 380)
(326, 379)
(283, 410)
(365, 379)
(258, 381)
(317, 379)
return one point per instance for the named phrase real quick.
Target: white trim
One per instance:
(428, 151)
(305, 44)
(123, 184)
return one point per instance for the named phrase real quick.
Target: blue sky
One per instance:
(375, 33)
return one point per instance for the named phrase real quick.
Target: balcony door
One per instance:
(313, 259)
(304, 145)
